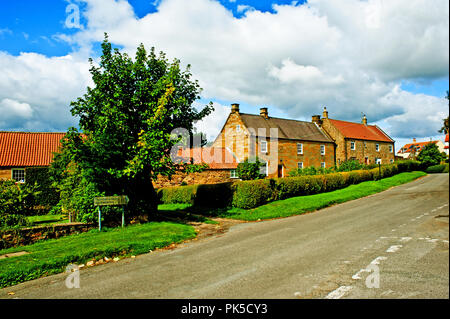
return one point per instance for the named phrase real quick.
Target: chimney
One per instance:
(414, 140)
(316, 119)
(263, 112)
(364, 119)
(325, 113)
(235, 108)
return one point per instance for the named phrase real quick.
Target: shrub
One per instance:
(214, 195)
(437, 169)
(350, 165)
(430, 155)
(177, 194)
(49, 195)
(249, 169)
(249, 194)
(409, 165)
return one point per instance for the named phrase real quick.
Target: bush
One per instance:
(48, 196)
(249, 194)
(350, 165)
(437, 169)
(177, 194)
(430, 155)
(214, 195)
(249, 170)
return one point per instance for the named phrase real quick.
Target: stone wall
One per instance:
(5, 173)
(26, 236)
(209, 176)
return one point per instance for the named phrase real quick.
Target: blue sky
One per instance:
(291, 56)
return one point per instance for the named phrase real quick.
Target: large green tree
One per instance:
(430, 155)
(127, 120)
(444, 128)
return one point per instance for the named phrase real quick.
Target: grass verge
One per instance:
(52, 256)
(302, 204)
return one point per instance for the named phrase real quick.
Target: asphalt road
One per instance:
(389, 245)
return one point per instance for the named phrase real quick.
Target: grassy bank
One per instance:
(302, 204)
(52, 256)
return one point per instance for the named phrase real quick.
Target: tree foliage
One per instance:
(444, 128)
(430, 155)
(126, 120)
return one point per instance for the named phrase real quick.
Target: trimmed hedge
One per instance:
(441, 168)
(254, 193)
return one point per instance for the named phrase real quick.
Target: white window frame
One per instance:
(322, 164)
(377, 160)
(301, 148)
(377, 147)
(238, 128)
(300, 165)
(263, 149)
(392, 161)
(233, 174)
(18, 169)
(322, 149)
(352, 145)
(391, 148)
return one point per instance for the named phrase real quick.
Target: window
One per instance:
(300, 165)
(352, 146)
(238, 128)
(377, 160)
(18, 174)
(392, 161)
(390, 148)
(322, 164)
(377, 147)
(322, 149)
(263, 146)
(264, 169)
(299, 148)
(233, 174)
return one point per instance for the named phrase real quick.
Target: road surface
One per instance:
(389, 245)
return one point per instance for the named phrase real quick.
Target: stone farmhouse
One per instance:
(282, 144)
(365, 143)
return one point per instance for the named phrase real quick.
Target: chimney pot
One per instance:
(263, 112)
(364, 120)
(325, 112)
(414, 140)
(235, 108)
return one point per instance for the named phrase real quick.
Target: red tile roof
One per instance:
(23, 149)
(446, 137)
(414, 146)
(360, 131)
(215, 157)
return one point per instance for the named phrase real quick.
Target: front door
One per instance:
(280, 170)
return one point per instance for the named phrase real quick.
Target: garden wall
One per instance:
(26, 236)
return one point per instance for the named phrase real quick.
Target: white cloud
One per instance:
(213, 123)
(349, 56)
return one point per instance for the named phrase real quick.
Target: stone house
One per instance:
(411, 150)
(19, 150)
(282, 144)
(368, 144)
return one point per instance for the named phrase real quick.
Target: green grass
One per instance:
(52, 256)
(41, 220)
(302, 204)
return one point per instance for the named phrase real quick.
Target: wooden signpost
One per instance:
(110, 201)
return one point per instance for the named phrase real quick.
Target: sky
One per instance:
(386, 59)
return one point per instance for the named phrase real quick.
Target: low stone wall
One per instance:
(26, 236)
(209, 176)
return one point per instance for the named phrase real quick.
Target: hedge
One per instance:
(441, 168)
(254, 193)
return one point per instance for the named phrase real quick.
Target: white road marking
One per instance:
(431, 240)
(339, 292)
(357, 276)
(377, 260)
(393, 248)
(405, 239)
